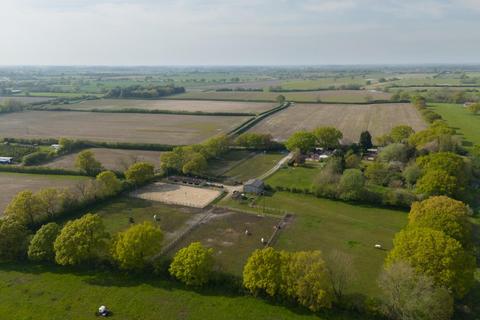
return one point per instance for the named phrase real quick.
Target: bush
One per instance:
(36, 158)
(41, 245)
(193, 265)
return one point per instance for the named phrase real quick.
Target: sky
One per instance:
(238, 32)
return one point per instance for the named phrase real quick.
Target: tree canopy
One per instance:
(86, 162)
(133, 247)
(301, 140)
(437, 255)
(80, 240)
(14, 239)
(41, 245)
(192, 265)
(139, 173)
(328, 137)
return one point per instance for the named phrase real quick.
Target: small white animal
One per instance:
(378, 246)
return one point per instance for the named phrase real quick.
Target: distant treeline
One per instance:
(146, 92)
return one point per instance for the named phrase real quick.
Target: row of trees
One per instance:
(194, 159)
(141, 91)
(432, 261)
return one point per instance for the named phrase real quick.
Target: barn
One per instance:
(255, 186)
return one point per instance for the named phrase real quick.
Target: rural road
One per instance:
(276, 167)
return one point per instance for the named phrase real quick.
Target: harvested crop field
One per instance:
(379, 119)
(347, 96)
(111, 159)
(171, 105)
(178, 194)
(16, 182)
(116, 127)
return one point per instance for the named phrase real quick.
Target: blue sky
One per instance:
(238, 32)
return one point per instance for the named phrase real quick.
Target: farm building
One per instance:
(6, 160)
(253, 186)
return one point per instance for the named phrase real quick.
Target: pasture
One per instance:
(300, 178)
(55, 293)
(176, 194)
(116, 215)
(116, 127)
(326, 225)
(379, 119)
(169, 105)
(111, 159)
(224, 231)
(241, 165)
(458, 117)
(347, 96)
(17, 182)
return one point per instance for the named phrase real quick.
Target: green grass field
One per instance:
(458, 117)
(30, 292)
(294, 177)
(321, 224)
(218, 167)
(253, 167)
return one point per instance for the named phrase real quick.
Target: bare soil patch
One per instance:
(379, 119)
(177, 194)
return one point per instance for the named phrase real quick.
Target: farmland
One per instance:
(326, 225)
(111, 159)
(458, 117)
(169, 105)
(114, 127)
(18, 182)
(347, 96)
(24, 99)
(379, 119)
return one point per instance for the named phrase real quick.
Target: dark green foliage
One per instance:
(148, 92)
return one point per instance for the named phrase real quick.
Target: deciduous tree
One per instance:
(80, 240)
(133, 248)
(193, 265)
(302, 140)
(41, 245)
(139, 173)
(13, 239)
(86, 162)
(328, 137)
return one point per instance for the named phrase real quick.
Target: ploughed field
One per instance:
(170, 105)
(116, 127)
(111, 159)
(346, 96)
(17, 182)
(378, 119)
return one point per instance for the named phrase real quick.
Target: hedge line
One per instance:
(40, 170)
(251, 122)
(134, 110)
(92, 144)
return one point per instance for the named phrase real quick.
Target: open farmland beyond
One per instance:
(347, 96)
(116, 127)
(24, 99)
(111, 159)
(171, 105)
(379, 119)
(17, 182)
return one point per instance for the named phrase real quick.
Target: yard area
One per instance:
(116, 127)
(458, 117)
(170, 105)
(111, 159)
(17, 182)
(326, 225)
(224, 231)
(379, 119)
